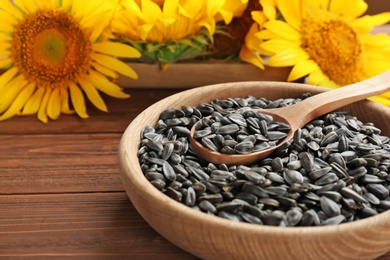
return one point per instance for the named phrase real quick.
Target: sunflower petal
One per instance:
(104, 85)
(348, 9)
(33, 103)
(251, 40)
(144, 30)
(301, 69)
(7, 18)
(278, 45)
(282, 29)
(4, 63)
(227, 16)
(93, 95)
(78, 100)
(317, 4)
(4, 52)
(290, 11)
(318, 78)
(104, 70)
(42, 112)
(386, 94)
(268, 9)
(213, 6)
(251, 56)
(366, 23)
(287, 58)
(5, 37)
(117, 49)
(150, 10)
(64, 97)
(6, 27)
(170, 9)
(19, 102)
(54, 104)
(10, 92)
(26, 6)
(115, 64)
(259, 17)
(7, 77)
(381, 100)
(11, 9)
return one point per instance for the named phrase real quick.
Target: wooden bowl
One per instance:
(211, 237)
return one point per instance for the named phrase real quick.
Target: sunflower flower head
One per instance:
(329, 41)
(54, 54)
(171, 30)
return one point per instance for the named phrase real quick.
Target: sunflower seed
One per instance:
(213, 198)
(209, 144)
(254, 177)
(275, 135)
(307, 161)
(274, 177)
(168, 171)
(349, 193)
(274, 218)
(256, 190)
(328, 178)
(310, 218)
(384, 204)
(248, 197)
(270, 202)
(174, 194)
(378, 190)
(292, 176)
(358, 172)
(329, 207)
(371, 179)
(334, 220)
(230, 216)
(276, 190)
(159, 184)
(244, 147)
(293, 217)
(207, 206)
(333, 159)
(250, 218)
(368, 212)
(372, 198)
(316, 174)
(333, 195)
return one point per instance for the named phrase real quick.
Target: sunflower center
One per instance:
(334, 46)
(50, 48)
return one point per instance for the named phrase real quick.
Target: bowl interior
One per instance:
(212, 237)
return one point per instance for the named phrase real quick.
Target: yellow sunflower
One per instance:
(171, 30)
(327, 40)
(252, 51)
(53, 53)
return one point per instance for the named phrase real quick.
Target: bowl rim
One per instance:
(153, 193)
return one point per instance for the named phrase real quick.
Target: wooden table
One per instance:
(60, 189)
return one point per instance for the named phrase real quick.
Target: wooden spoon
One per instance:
(300, 114)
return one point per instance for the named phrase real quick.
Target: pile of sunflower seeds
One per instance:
(240, 132)
(335, 170)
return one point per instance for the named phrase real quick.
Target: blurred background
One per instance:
(378, 6)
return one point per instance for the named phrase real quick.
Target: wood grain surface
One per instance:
(60, 189)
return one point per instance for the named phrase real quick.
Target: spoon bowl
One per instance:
(298, 115)
(231, 159)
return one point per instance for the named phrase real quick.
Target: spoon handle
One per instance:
(328, 101)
